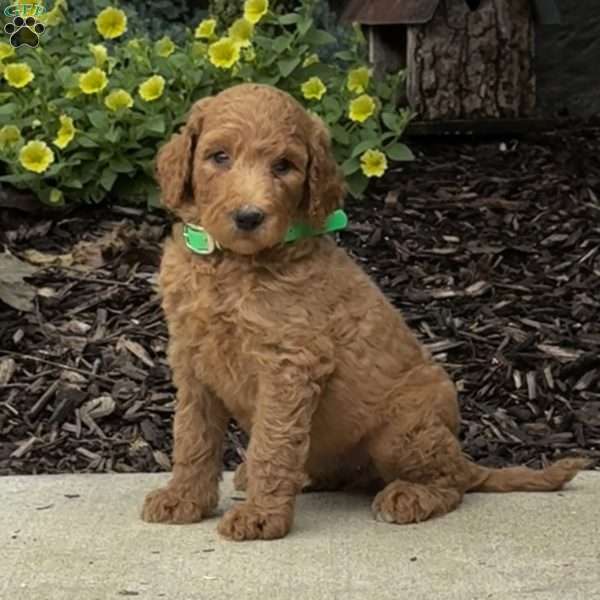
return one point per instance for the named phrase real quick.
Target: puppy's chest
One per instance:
(217, 320)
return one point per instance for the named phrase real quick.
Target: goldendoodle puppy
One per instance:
(293, 339)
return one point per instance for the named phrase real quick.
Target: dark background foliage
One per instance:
(157, 18)
(171, 17)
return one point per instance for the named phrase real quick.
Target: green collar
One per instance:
(201, 242)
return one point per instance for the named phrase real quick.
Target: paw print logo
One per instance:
(24, 32)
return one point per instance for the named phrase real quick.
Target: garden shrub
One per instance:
(82, 115)
(155, 19)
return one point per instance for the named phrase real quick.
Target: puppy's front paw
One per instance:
(167, 505)
(247, 522)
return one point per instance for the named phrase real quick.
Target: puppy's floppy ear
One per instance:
(325, 187)
(174, 163)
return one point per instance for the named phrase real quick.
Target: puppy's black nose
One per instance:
(248, 218)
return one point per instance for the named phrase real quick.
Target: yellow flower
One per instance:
(362, 108)
(92, 81)
(165, 47)
(224, 53)
(57, 15)
(358, 80)
(310, 60)
(313, 88)
(241, 32)
(153, 88)
(255, 10)
(9, 136)
(134, 44)
(100, 53)
(66, 133)
(373, 163)
(18, 74)
(56, 196)
(36, 156)
(6, 50)
(111, 23)
(206, 29)
(118, 99)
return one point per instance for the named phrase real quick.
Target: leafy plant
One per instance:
(83, 115)
(155, 19)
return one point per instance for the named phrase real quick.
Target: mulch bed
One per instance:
(490, 249)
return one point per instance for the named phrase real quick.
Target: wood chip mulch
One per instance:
(490, 249)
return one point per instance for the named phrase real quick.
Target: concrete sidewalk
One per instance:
(79, 537)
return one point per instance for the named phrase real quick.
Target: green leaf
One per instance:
(20, 178)
(304, 26)
(318, 37)
(65, 76)
(80, 155)
(332, 108)
(392, 121)
(146, 153)
(179, 61)
(55, 169)
(107, 179)
(113, 135)
(155, 124)
(99, 119)
(262, 41)
(153, 198)
(281, 43)
(384, 91)
(340, 135)
(365, 145)
(120, 164)
(267, 80)
(73, 182)
(321, 70)
(388, 135)
(350, 166)
(87, 141)
(345, 55)
(8, 109)
(289, 19)
(399, 152)
(88, 173)
(357, 184)
(287, 65)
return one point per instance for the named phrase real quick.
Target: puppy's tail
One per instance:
(523, 479)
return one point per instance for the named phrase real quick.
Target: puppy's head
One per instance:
(248, 163)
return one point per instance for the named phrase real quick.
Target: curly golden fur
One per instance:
(294, 340)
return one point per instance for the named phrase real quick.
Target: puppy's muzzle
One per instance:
(248, 218)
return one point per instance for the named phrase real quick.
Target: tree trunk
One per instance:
(473, 62)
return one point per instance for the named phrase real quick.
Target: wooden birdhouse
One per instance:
(464, 59)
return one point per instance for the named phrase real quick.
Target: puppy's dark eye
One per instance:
(220, 158)
(282, 167)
